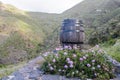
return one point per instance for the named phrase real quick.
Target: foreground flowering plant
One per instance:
(92, 64)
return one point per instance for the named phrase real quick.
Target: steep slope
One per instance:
(102, 23)
(90, 6)
(96, 14)
(22, 34)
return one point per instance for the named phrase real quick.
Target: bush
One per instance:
(92, 64)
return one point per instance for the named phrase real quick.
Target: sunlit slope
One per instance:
(22, 34)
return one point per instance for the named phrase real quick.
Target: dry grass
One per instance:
(4, 71)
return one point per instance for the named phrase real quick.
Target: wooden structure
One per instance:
(72, 32)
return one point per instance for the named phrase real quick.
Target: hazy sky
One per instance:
(50, 6)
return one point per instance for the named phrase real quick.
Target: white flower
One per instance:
(57, 49)
(93, 68)
(98, 66)
(46, 54)
(65, 53)
(81, 59)
(75, 47)
(65, 66)
(71, 65)
(74, 55)
(77, 71)
(97, 46)
(93, 61)
(49, 64)
(84, 57)
(54, 60)
(66, 47)
(54, 66)
(73, 73)
(51, 68)
(69, 47)
(88, 65)
(70, 62)
(95, 74)
(68, 59)
(59, 70)
(100, 51)
(56, 55)
(82, 71)
(93, 51)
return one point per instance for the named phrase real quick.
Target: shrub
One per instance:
(92, 64)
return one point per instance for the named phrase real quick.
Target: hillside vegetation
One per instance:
(22, 34)
(28, 33)
(102, 23)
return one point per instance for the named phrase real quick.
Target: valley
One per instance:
(24, 35)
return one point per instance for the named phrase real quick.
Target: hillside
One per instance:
(96, 14)
(22, 34)
(102, 23)
(28, 33)
(87, 7)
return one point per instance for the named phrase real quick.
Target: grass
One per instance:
(113, 50)
(7, 70)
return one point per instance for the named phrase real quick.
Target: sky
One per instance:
(49, 6)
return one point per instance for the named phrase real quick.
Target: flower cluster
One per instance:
(83, 64)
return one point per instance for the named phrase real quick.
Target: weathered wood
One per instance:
(72, 32)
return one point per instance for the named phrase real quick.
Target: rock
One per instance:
(56, 77)
(25, 69)
(35, 74)
(5, 78)
(117, 69)
(18, 76)
(116, 65)
(15, 76)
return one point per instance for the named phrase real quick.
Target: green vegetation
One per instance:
(23, 34)
(113, 50)
(91, 64)
(102, 23)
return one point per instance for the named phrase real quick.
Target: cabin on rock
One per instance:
(72, 33)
